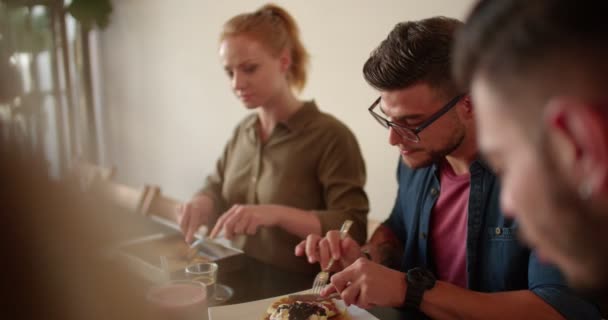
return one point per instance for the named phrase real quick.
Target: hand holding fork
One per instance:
(323, 276)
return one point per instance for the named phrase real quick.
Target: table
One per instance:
(253, 280)
(270, 281)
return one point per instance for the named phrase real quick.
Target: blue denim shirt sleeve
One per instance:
(547, 282)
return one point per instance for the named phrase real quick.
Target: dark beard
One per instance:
(438, 156)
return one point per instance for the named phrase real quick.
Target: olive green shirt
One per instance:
(310, 162)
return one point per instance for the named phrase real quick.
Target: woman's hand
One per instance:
(193, 214)
(246, 219)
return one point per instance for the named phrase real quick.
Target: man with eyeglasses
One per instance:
(446, 249)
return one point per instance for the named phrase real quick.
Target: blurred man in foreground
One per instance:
(537, 71)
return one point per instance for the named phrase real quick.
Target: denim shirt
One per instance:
(495, 259)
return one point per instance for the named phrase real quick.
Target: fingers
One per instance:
(327, 290)
(319, 249)
(232, 218)
(341, 279)
(193, 224)
(300, 249)
(186, 221)
(312, 242)
(189, 218)
(364, 284)
(235, 221)
(324, 253)
(183, 217)
(341, 282)
(350, 294)
(241, 224)
(219, 225)
(252, 228)
(333, 239)
(351, 251)
(347, 284)
(362, 300)
(178, 214)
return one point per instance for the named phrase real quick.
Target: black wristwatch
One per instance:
(418, 281)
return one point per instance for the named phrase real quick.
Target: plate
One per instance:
(257, 309)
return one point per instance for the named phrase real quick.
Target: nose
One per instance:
(238, 81)
(393, 137)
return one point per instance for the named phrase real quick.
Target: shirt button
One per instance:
(498, 231)
(254, 179)
(434, 192)
(423, 235)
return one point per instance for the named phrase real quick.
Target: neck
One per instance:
(278, 109)
(461, 159)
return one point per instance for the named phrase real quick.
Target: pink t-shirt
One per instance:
(449, 226)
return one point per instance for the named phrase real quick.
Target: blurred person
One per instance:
(537, 71)
(54, 244)
(289, 170)
(446, 249)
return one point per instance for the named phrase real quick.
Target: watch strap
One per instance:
(413, 296)
(418, 281)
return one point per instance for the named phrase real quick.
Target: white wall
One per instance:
(169, 108)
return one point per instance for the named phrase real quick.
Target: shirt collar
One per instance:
(297, 121)
(478, 162)
(302, 117)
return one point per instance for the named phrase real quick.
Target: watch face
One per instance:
(417, 273)
(421, 277)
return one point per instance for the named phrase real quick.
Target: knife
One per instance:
(313, 297)
(193, 250)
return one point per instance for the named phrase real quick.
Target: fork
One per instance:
(322, 277)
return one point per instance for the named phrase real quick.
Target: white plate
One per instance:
(257, 310)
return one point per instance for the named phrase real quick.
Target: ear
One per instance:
(285, 60)
(585, 129)
(467, 107)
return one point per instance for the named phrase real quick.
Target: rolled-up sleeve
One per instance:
(547, 282)
(341, 171)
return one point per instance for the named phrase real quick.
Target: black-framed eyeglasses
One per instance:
(412, 133)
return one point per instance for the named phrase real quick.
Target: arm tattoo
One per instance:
(385, 247)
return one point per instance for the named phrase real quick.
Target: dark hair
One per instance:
(415, 51)
(516, 42)
(276, 29)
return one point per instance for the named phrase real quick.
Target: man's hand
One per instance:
(246, 219)
(318, 249)
(367, 284)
